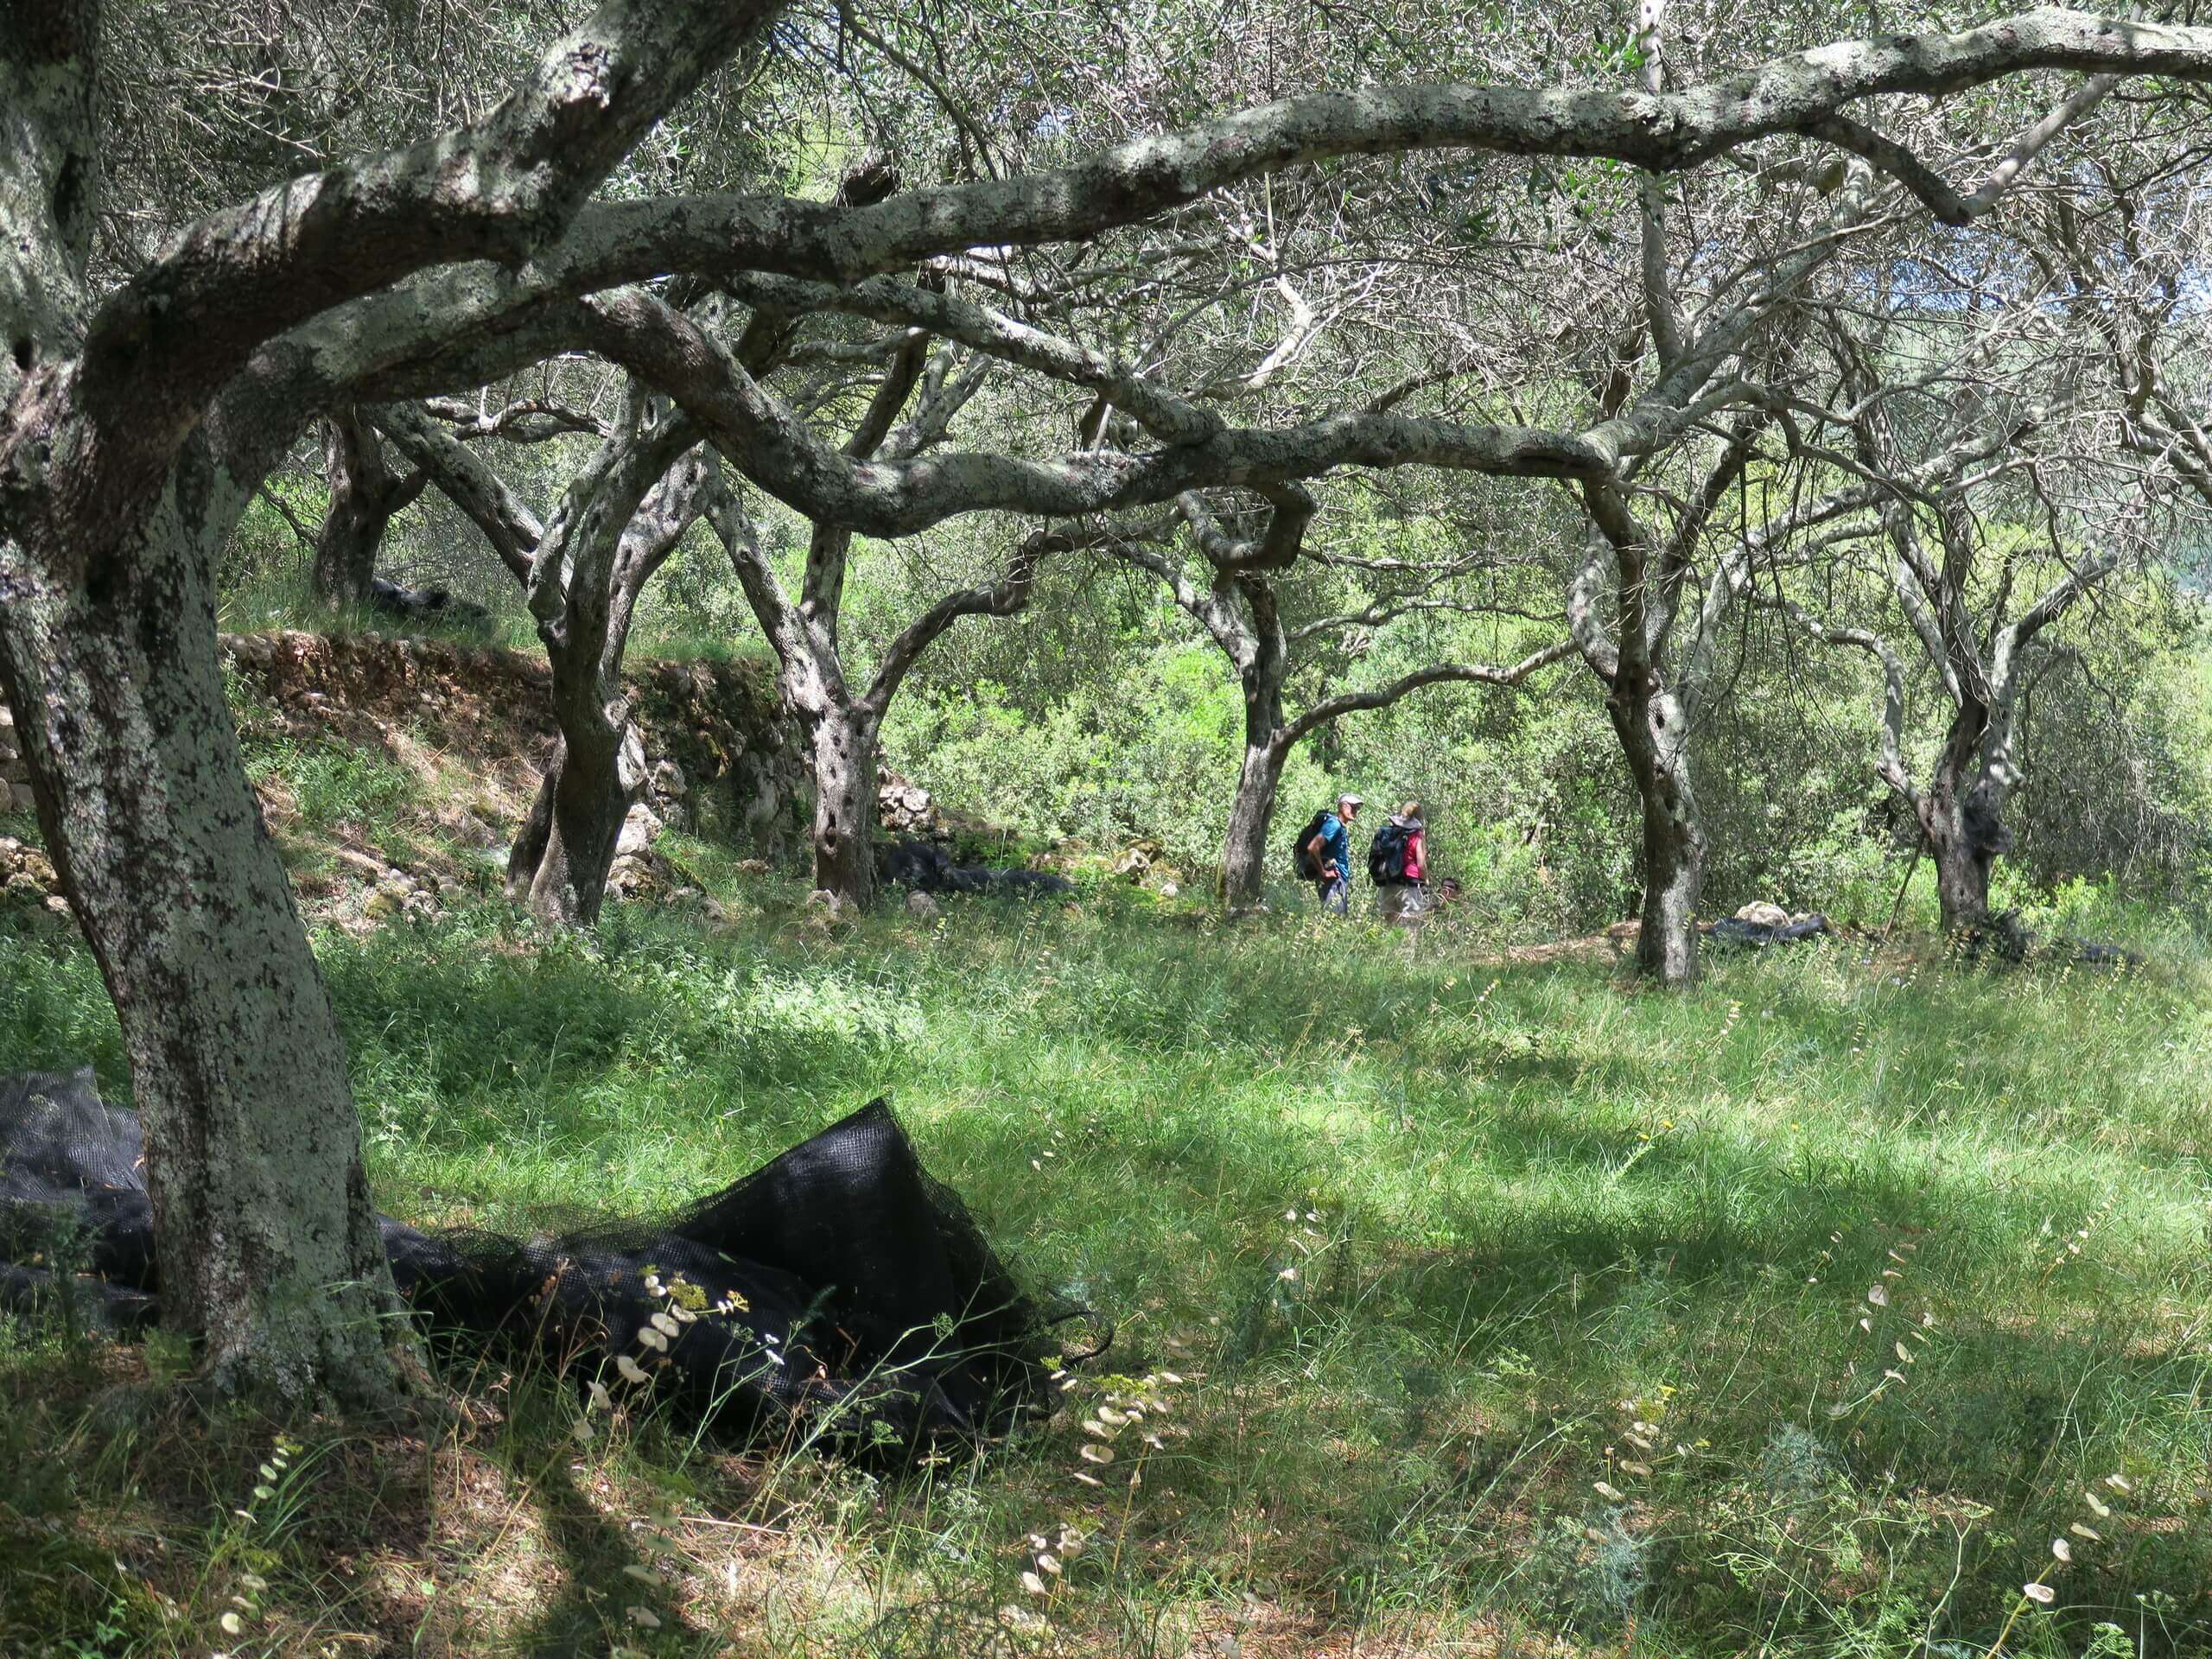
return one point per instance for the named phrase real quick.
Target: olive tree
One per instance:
(142, 410)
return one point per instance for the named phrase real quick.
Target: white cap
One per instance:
(1350, 800)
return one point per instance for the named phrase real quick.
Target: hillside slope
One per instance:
(393, 770)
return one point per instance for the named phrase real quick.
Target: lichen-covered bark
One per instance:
(1651, 729)
(843, 742)
(267, 1244)
(364, 495)
(1649, 718)
(1251, 821)
(117, 485)
(1961, 814)
(1261, 658)
(586, 795)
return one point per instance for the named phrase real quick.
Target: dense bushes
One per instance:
(1529, 803)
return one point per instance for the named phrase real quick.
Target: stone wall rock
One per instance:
(725, 760)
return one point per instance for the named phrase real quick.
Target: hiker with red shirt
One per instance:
(1398, 861)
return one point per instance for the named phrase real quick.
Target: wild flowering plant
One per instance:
(272, 1488)
(1125, 1423)
(2073, 1247)
(2081, 1535)
(1887, 1330)
(679, 1303)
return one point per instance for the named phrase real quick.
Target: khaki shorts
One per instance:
(1403, 902)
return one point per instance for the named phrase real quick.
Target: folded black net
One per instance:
(837, 1290)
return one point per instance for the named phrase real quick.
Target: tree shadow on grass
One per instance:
(594, 1549)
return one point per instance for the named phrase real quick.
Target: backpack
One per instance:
(1386, 855)
(1301, 859)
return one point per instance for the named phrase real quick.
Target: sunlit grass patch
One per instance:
(1446, 1250)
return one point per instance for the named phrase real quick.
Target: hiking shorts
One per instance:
(1402, 901)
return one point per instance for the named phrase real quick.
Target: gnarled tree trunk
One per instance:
(1653, 733)
(1262, 666)
(1961, 814)
(364, 495)
(842, 742)
(1251, 822)
(268, 1247)
(581, 806)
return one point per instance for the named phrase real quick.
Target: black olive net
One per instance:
(838, 1290)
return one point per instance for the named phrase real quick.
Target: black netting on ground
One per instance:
(1734, 930)
(838, 1289)
(927, 866)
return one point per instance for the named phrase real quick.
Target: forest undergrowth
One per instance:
(1854, 1303)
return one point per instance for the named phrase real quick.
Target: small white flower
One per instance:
(631, 1371)
(1098, 1454)
(1032, 1584)
(600, 1399)
(2042, 1594)
(644, 1618)
(2090, 1533)
(2097, 1505)
(232, 1624)
(2061, 1548)
(2118, 1483)
(1048, 1562)
(1879, 1295)
(1610, 1492)
(649, 1338)
(1288, 1274)
(642, 1575)
(666, 1325)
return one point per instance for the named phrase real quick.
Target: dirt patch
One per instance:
(456, 738)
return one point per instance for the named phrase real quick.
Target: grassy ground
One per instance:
(1512, 1311)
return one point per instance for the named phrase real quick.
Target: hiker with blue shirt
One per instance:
(1330, 853)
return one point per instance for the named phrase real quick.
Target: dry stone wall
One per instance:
(726, 761)
(14, 777)
(723, 760)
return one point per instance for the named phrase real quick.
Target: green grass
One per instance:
(1425, 1235)
(287, 600)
